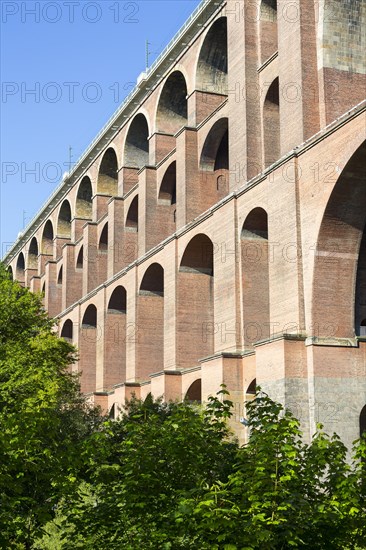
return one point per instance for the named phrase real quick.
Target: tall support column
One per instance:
(148, 234)
(236, 93)
(188, 180)
(90, 271)
(298, 82)
(115, 235)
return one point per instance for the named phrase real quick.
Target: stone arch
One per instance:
(339, 266)
(115, 338)
(211, 74)
(20, 268)
(198, 256)
(268, 29)
(215, 151)
(255, 277)
(168, 187)
(118, 301)
(251, 387)
(107, 183)
(167, 198)
(67, 330)
(363, 421)
(255, 225)
(153, 280)
(172, 108)
(103, 239)
(214, 162)
(80, 258)
(195, 302)
(150, 322)
(32, 262)
(130, 248)
(10, 272)
(64, 220)
(84, 203)
(47, 239)
(136, 152)
(132, 218)
(271, 124)
(102, 264)
(90, 317)
(89, 336)
(194, 392)
(60, 276)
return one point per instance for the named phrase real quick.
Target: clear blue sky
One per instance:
(81, 59)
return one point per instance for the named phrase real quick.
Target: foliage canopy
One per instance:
(162, 476)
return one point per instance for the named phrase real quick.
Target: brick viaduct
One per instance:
(214, 231)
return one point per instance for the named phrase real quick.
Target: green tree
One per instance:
(140, 468)
(283, 493)
(169, 476)
(43, 417)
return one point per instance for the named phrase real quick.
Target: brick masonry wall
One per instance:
(295, 296)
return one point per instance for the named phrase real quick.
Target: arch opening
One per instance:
(10, 272)
(214, 162)
(33, 254)
(84, 204)
(103, 241)
(47, 239)
(60, 276)
(150, 321)
(153, 280)
(360, 298)
(136, 154)
(167, 199)
(198, 256)
(222, 155)
(215, 151)
(80, 259)
(195, 302)
(107, 183)
(118, 301)
(168, 187)
(115, 331)
(363, 421)
(133, 215)
(340, 254)
(256, 225)
(271, 124)
(251, 387)
(64, 220)
(211, 73)
(20, 268)
(102, 263)
(90, 317)
(88, 350)
(67, 330)
(255, 277)
(194, 392)
(172, 108)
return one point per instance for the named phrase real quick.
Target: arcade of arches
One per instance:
(216, 231)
